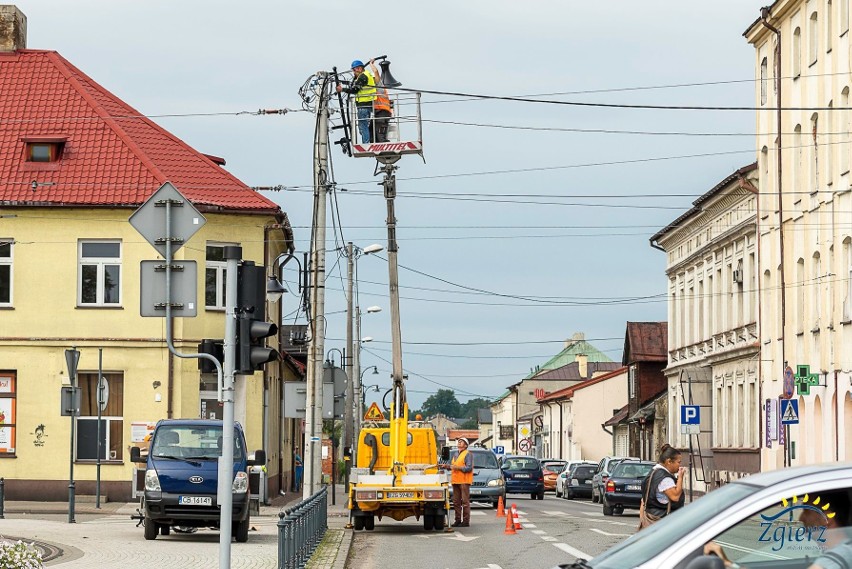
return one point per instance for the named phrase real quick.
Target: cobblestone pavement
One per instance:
(109, 539)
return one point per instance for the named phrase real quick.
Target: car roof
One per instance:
(772, 477)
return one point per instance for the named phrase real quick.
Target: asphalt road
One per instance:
(555, 531)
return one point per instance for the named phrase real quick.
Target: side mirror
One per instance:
(259, 458)
(136, 455)
(706, 562)
(445, 454)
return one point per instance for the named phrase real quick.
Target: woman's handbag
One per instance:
(646, 519)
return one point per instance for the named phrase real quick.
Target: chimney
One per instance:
(583, 364)
(13, 29)
(577, 337)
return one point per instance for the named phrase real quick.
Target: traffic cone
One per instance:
(500, 511)
(516, 518)
(510, 526)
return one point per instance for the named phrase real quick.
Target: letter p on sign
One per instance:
(690, 415)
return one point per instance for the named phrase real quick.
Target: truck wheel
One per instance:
(439, 522)
(241, 530)
(428, 522)
(151, 529)
(369, 523)
(359, 522)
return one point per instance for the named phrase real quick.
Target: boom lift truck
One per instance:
(396, 473)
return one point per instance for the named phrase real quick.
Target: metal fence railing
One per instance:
(301, 529)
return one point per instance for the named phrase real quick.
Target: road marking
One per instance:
(539, 531)
(599, 514)
(528, 525)
(458, 536)
(548, 538)
(571, 551)
(492, 566)
(602, 532)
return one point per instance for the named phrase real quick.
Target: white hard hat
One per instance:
(466, 442)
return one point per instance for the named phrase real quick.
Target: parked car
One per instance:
(488, 483)
(749, 514)
(579, 482)
(523, 475)
(605, 466)
(623, 490)
(551, 468)
(565, 474)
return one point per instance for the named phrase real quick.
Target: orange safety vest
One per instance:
(458, 476)
(382, 102)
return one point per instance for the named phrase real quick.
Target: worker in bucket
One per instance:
(363, 86)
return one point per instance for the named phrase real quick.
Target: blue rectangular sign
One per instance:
(499, 450)
(690, 415)
(789, 411)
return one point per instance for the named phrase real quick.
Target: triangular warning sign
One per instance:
(374, 413)
(790, 414)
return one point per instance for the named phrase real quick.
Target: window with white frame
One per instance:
(797, 154)
(845, 126)
(829, 26)
(817, 290)
(813, 39)
(844, 16)
(6, 246)
(99, 265)
(829, 150)
(112, 417)
(214, 276)
(800, 295)
(847, 258)
(766, 308)
(764, 70)
(813, 178)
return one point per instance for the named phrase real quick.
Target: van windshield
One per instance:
(193, 442)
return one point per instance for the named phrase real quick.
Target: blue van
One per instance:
(524, 475)
(181, 477)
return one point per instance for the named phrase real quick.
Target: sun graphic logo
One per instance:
(799, 524)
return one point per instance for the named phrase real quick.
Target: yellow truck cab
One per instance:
(374, 491)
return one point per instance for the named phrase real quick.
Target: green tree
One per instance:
(470, 408)
(444, 401)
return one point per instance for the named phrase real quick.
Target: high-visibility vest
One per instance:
(367, 93)
(382, 102)
(458, 476)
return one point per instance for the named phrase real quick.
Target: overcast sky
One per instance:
(581, 239)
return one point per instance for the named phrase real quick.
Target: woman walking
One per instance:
(662, 489)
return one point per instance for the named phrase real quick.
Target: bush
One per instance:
(19, 555)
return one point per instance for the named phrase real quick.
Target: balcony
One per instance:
(730, 340)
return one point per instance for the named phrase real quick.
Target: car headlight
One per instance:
(241, 483)
(152, 481)
(496, 482)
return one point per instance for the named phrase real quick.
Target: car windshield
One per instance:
(650, 542)
(632, 470)
(195, 442)
(583, 471)
(553, 466)
(521, 464)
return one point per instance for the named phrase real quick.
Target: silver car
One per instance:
(756, 522)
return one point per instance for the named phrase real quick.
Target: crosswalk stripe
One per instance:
(571, 551)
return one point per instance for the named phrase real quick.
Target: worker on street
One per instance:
(462, 478)
(363, 86)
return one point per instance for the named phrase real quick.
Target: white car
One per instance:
(560, 480)
(790, 518)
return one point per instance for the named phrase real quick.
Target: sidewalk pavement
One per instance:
(331, 554)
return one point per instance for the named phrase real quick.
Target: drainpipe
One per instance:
(764, 17)
(171, 379)
(562, 436)
(837, 420)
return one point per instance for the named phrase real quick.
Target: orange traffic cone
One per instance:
(516, 518)
(500, 511)
(510, 526)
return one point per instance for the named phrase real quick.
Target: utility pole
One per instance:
(313, 413)
(348, 424)
(357, 403)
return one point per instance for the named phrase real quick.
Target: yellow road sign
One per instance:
(374, 413)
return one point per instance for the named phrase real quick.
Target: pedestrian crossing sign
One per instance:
(789, 411)
(374, 413)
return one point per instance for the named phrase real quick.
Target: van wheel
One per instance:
(428, 522)
(151, 529)
(439, 522)
(370, 523)
(241, 530)
(358, 522)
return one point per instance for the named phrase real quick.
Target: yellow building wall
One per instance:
(44, 321)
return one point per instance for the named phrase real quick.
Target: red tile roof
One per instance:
(112, 157)
(568, 392)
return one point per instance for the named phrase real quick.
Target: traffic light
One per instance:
(215, 348)
(252, 353)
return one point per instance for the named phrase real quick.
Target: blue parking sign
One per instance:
(690, 415)
(499, 450)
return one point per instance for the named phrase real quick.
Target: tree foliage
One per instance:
(444, 401)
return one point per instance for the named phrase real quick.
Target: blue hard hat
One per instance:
(357, 63)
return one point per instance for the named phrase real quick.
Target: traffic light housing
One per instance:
(252, 353)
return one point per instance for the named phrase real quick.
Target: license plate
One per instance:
(634, 487)
(522, 475)
(475, 491)
(195, 500)
(587, 482)
(400, 494)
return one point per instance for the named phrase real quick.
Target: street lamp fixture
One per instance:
(274, 288)
(374, 248)
(373, 309)
(366, 339)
